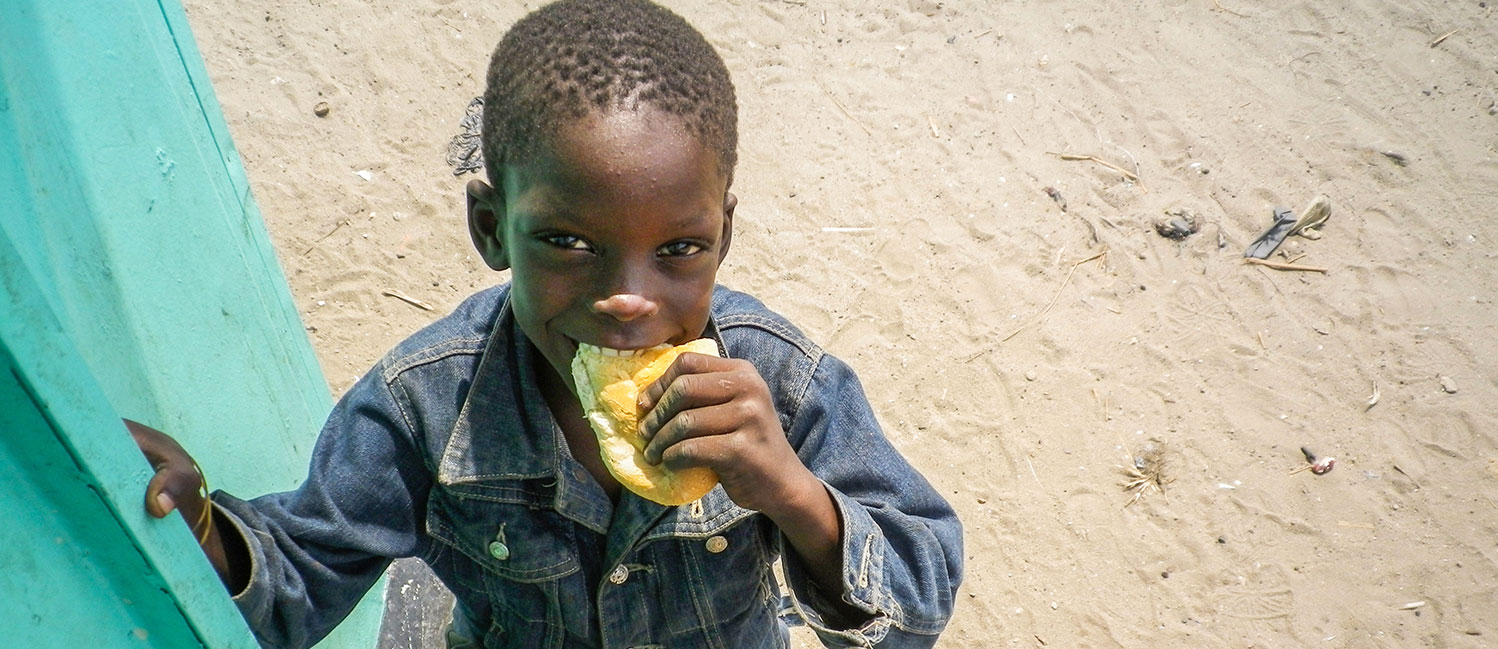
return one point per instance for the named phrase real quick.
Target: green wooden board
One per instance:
(84, 565)
(138, 281)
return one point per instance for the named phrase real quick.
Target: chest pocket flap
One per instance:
(717, 513)
(515, 540)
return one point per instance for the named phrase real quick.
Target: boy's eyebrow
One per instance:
(558, 215)
(696, 220)
(544, 207)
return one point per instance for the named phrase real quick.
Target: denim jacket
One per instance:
(446, 451)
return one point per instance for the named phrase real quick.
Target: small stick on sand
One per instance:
(407, 299)
(1402, 472)
(1279, 266)
(320, 239)
(1073, 156)
(840, 107)
(1033, 473)
(1444, 36)
(1219, 6)
(974, 356)
(1055, 297)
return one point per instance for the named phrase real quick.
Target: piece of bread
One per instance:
(608, 384)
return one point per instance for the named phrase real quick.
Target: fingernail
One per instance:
(165, 502)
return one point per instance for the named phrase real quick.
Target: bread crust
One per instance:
(608, 386)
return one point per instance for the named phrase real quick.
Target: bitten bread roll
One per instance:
(608, 384)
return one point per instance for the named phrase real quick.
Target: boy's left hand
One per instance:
(717, 413)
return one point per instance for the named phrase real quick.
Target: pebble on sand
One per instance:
(1448, 384)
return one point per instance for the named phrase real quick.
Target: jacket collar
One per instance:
(504, 431)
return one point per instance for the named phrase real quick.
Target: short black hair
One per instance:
(572, 57)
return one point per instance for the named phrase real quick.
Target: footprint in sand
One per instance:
(1258, 601)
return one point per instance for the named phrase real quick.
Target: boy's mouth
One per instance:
(620, 353)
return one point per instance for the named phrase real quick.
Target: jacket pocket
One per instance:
(512, 554)
(722, 566)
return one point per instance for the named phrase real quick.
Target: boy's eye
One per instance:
(680, 249)
(566, 242)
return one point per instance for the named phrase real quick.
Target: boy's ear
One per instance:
(729, 202)
(484, 208)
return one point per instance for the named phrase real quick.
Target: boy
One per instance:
(609, 138)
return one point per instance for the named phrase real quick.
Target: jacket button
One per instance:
(717, 544)
(499, 550)
(619, 575)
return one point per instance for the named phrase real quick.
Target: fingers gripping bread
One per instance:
(608, 384)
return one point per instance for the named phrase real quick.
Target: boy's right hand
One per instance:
(179, 485)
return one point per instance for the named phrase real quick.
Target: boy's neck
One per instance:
(582, 444)
(559, 399)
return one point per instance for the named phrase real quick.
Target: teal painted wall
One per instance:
(138, 282)
(83, 565)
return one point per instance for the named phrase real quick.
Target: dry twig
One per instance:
(1073, 156)
(1145, 474)
(407, 299)
(1055, 297)
(1219, 6)
(1444, 36)
(1407, 475)
(840, 107)
(1279, 266)
(320, 239)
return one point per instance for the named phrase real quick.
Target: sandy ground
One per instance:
(893, 175)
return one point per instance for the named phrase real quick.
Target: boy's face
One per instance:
(613, 235)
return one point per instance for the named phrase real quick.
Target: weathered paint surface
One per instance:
(83, 565)
(138, 282)
(418, 608)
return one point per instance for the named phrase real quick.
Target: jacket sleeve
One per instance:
(901, 542)
(315, 551)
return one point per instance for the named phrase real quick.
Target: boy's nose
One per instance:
(626, 306)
